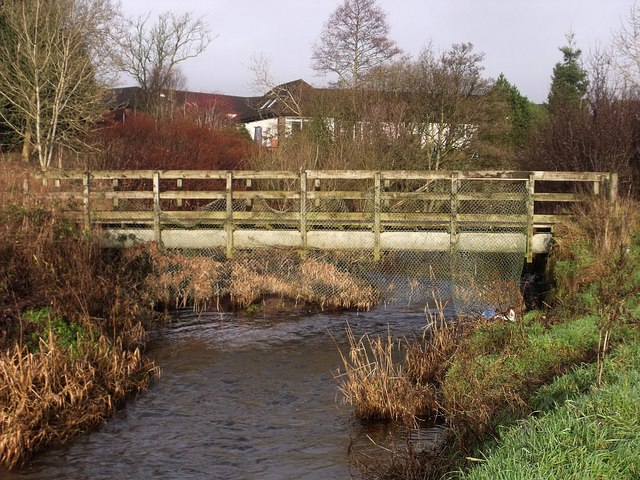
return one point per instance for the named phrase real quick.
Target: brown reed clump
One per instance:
(173, 279)
(375, 382)
(52, 388)
(400, 379)
(332, 287)
(49, 396)
(310, 281)
(251, 281)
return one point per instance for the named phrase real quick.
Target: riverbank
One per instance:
(484, 376)
(75, 317)
(578, 430)
(586, 422)
(72, 329)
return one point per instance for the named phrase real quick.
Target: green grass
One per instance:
(490, 383)
(582, 432)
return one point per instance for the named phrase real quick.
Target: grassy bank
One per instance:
(483, 376)
(585, 423)
(578, 432)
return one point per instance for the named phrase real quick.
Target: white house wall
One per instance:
(269, 128)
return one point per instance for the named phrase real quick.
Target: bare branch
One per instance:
(354, 41)
(51, 58)
(150, 53)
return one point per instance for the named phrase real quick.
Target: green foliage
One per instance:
(254, 308)
(522, 111)
(45, 323)
(569, 82)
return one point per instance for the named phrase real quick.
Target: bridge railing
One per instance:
(369, 210)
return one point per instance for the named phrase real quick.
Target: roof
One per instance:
(242, 109)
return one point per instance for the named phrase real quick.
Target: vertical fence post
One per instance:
(387, 185)
(531, 190)
(303, 213)
(377, 254)
(86, 200)
(613, 188)
(156, 208)
(115, 183)
(228, 226)
(249, 200)
(453, 234)
(316, 188)
(179, 188)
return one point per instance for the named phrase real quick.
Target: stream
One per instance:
(241, 397)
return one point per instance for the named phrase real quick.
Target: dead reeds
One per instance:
(70, 326)
(49, 396)
(375, 382)
(178, 280)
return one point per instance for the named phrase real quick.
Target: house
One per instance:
(286, 109)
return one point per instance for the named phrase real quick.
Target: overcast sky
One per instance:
(519, 38)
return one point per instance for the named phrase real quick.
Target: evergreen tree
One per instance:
(569, 82)
(522, 110)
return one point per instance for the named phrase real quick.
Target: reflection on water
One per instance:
(240, 398)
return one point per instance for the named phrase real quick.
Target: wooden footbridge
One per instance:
(375, 211)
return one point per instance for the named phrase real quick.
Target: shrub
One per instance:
(143, 142)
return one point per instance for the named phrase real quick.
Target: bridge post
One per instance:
(228, 225)
(377, 254)
(613, 188)
(179, 201)
(453, 226)
(115, 186)
(531, 188)
(156, 208)
(303, 213)
(86, 203)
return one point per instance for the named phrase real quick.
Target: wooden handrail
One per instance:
(378, 201)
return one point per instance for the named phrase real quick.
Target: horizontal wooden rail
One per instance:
(352, 209)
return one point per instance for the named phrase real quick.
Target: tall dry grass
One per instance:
(375, 382)
(178, 280)
(398, 379)
(49, 396)
(587, 244)
(595, 264)
(51, 390)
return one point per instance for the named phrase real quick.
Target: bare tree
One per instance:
(288, 98)
(54, 56)
(626, 43)
(448, 104)
(354, 40)
(150, 53)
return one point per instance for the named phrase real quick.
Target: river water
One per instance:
(241, 397)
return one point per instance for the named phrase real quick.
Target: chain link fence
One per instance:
(340, 238)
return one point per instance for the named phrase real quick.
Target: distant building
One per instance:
(286, 109)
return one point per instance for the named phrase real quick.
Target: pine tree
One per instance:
(569, 82)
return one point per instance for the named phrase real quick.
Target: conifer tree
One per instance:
(570, 81)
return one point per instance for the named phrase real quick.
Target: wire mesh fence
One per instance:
(388, 237)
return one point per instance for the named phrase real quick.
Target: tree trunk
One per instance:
(26, 144)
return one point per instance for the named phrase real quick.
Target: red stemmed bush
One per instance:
(143, 142)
